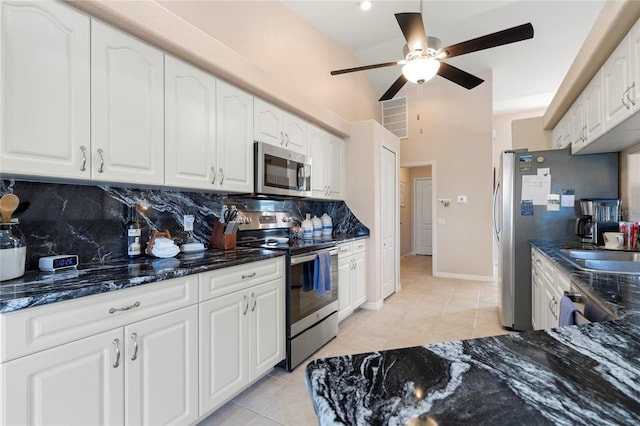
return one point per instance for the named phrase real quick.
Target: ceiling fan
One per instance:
(424, 57)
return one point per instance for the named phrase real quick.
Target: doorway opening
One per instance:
(417, 210)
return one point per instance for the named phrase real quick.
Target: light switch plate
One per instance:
(462, 198)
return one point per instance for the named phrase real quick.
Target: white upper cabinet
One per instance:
(234, 132)
(562, 133)
(190, 131)
(616, 85)
(127, 117)
(327, 164)
(593, 111)
(44, 90)
(274, 126)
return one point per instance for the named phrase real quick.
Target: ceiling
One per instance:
(526, 74)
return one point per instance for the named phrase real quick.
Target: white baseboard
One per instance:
(464, 276)
(372, 306)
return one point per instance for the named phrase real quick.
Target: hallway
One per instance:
(426, 310)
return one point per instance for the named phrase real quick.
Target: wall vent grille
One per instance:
(395, 116)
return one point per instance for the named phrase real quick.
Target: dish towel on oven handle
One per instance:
(567, 308)
(322, 273)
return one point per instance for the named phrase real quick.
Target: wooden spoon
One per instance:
(8, 204)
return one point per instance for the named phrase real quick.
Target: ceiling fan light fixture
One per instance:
(420, 70)
(365, 5)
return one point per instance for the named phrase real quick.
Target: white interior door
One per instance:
(389, 186)
(423, 213)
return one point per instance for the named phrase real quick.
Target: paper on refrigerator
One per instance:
(536, 188)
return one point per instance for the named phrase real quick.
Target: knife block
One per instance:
(219, 239)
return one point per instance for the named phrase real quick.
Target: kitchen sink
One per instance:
(614, 262)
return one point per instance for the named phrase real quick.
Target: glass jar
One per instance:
(13, 251)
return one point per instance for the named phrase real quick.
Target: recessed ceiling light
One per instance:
(365, 4)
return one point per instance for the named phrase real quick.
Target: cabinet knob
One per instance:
(116, 344)
(84, 158)
(134, 337)
(100, 153)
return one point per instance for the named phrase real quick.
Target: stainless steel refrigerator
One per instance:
(524, 181)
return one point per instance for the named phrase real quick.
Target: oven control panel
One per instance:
(267, 220)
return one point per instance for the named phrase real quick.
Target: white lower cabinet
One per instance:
(241, 329)
(548, 284)
(351, 277)
(142, 374)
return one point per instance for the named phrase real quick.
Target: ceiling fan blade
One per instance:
(456, 75)
(395, 88)
(510, 35)
(364, 67)
(413, 30)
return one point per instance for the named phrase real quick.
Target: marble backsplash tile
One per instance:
(90, 220)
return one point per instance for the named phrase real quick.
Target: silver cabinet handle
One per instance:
(245, 302)
(281, 138)
(134, 337)
(84, 158)
(622, 99)
(255, 302)
(116, 343)
(221, 176)
(633, 85)
(251, 275)
(101, 154)
(213, 173)
(287, 139)
(126, 308)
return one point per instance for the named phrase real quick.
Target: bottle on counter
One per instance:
(134, 234)
(317, 227)
(327, 225)
(307, 227)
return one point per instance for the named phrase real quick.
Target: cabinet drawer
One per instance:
(359, 246)
(227, 280)
(542, 265)
(34, 329)
(345, 249)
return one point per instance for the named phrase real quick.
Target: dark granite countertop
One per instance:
(37, 288)
(587, 374)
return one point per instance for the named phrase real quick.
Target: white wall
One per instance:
(454, 132)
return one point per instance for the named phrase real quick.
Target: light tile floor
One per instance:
(425, 310)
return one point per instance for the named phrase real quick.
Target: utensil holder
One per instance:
(219, 239)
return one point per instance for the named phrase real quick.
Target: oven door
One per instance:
(281, 172)
(307, 305)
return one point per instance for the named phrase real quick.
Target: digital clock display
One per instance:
(53, 263)
(65, 262)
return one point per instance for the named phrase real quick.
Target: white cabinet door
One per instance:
(190, 130)
(359, 279)
(634, 48)
(318, 147)
(593, 113)
(266, 327)
(615, 85)
(268, 123)
(223, 349)
(537, 299)
(336, 170)
(295, 134)
(388, 201)
(345, 302)
(79, 383)
(127, 114)
(44, 95)
(234, 111)
(161, 360)
(578, 138)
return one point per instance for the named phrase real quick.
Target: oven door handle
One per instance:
(306, 258)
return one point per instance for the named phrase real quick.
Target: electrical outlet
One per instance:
(441, 221)
(462, 198)
(187, 222)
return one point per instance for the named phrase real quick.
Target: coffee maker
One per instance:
(598, 216)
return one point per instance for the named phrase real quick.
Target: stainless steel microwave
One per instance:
(279, 171)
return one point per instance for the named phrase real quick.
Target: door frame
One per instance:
(415, 211)
(434, 179)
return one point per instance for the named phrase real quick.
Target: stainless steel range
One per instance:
(311, 312)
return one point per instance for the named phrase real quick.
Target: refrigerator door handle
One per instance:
(496, 231)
